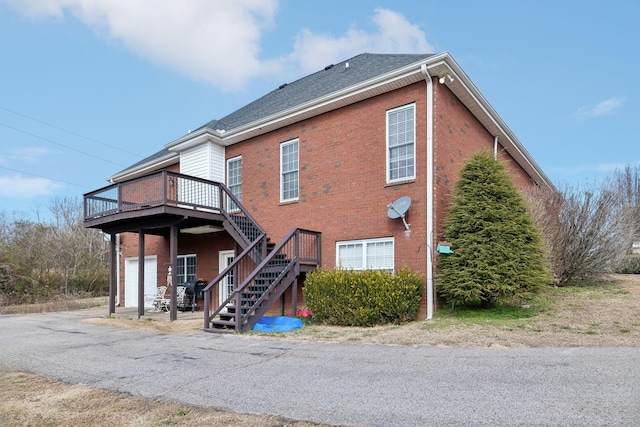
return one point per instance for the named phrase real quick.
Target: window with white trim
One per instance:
(186, 268)
(234, 181)
(401, 146)
(369, 254)
(289, 170)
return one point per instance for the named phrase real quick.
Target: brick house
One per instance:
(302, 177)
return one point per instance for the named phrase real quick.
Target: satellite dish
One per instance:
(399, 208)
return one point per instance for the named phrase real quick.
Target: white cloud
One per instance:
(219, 42)
(28, 154)
(213, 41)
(604, 108)
(395, 35)
(20, 187)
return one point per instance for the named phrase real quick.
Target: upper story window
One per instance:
(289, 170)
(234, 181)
(401, 144)
(370, 254)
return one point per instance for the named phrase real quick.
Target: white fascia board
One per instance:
(334, 98)
(437, 65)
(145, 168)
(505, 136)
(194, 138)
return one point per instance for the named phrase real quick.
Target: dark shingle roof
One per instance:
(332, 79)
(156, 156)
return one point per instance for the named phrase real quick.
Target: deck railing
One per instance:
(160, 188)
(171, 189)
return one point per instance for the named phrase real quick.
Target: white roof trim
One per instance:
(194, 138)
(437, 65)
(145, 168)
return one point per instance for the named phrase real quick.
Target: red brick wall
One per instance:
(342, 171)
(343, 191)
(205, 246)
(457, 136)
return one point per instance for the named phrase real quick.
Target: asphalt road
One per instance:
(360, 385)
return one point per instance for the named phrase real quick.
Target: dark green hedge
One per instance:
(363, 298)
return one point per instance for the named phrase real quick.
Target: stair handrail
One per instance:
(275, 282)
(237, 293)
(229, 195)
(213, 283)
(293, 262)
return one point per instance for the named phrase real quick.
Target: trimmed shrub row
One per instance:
(363, 298)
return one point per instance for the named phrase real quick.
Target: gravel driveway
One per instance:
(362, 385)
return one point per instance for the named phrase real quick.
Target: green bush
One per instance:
(498, 253)
(630, 264)
(363, 298)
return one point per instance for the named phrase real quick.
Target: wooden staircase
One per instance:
(261, 273)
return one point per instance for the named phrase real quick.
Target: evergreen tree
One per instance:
(498, 253)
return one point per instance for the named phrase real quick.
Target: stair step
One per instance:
(220, 330)
(222, 323)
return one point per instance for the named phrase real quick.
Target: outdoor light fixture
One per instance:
(446, 78)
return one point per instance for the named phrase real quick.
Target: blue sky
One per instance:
(89, 87)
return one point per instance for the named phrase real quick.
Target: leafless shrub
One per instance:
(39, 260)
(587, 229)
(627, 182)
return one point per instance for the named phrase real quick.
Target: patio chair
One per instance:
(181, 299)
(165, 303)
(158, 301)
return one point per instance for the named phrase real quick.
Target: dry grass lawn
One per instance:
(30, 400)
(596, 315)
(593, 316)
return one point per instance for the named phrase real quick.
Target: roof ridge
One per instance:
(329, 79)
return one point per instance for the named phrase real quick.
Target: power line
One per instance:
(44, 177)
(60, 144)
(69, 131)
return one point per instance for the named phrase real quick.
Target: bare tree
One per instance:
(82, 254)
(587, 229)
(39, 259)
(627, 182)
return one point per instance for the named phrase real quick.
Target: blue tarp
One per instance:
(277, 324)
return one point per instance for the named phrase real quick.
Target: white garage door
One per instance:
(131, 280)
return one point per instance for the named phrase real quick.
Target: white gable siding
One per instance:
(216, 159)
(204, 161)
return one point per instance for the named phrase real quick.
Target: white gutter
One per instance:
(334, 97)
(487, 110)
(438, 64)
(145, 168)
(495, 147)
(429, 161)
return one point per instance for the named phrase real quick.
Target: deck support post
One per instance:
(140, 273)
(112, 274)
(173, 253)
